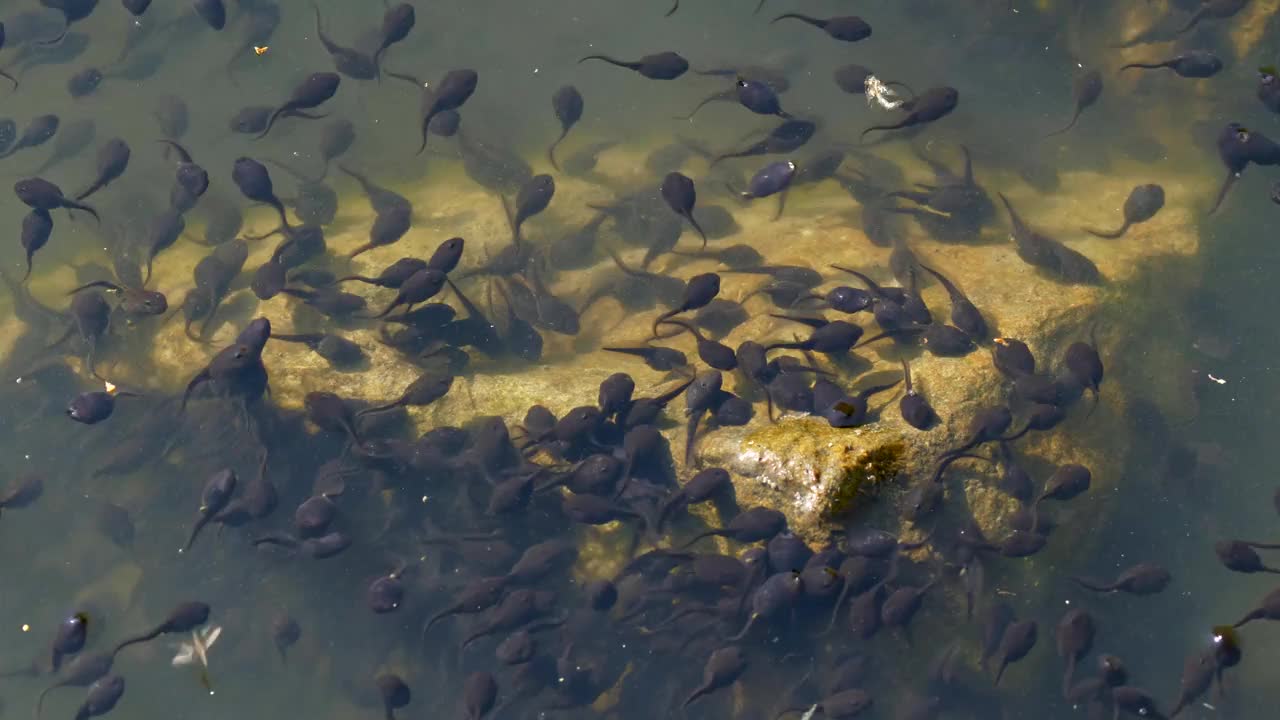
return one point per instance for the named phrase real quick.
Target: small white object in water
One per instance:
(809, 715)
(1218, 380)
(198, 649)
(879, 93)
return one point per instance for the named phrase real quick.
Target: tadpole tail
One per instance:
(195, 531)
(1255, 614)
(700, 536)
(551, 151)
(662, 319)
(511, 220)
(361, 249)
(95, 187)
(895, 126)
(1000, 673)
(890, 334)
(284, 219)
(904, 86)
(194, 338)
(281, 540)
(727, 156)
(1010, 438)
(376, 409)
(674, 7)
(1222, 192)
(677, 616)
(40, 700)
(1066, 676)
(174, 146)
(696, 108)
(54, 41)
(270, 122)
(191, 386)
(73, 205)
(691, 436)
(946, 462)
(611, 61)
(782, 206)
(1094, 406)
(10, 78)
(62, 338)
(835, 611)
(148, 637)
(1070, 125)
(1143, 66)
(426, 123)
(403, 76)
(745, 629)
(796, 16)
(785, 346)
(697, 228)
(1108, 234)
(451, 610)
(667, 506)
(1195, 20)
(625, 351)
(1092, 584)
(295, 172)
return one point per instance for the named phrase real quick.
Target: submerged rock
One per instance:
(818, 475)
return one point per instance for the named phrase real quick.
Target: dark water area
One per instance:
(470, 506)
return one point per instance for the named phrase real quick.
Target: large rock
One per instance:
(799, 464)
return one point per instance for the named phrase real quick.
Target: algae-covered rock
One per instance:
(818, 475)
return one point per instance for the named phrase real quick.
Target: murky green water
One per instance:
(1179, 442)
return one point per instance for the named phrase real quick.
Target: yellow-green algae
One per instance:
(862, 480)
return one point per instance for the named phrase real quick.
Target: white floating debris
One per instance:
(198, 649)
(879, 93)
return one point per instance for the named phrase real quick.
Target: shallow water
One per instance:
(1179, 442)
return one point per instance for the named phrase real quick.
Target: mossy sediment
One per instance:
(862, 480)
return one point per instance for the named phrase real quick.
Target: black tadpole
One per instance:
(658, 66)
(453, 90)
(40, 194)
(184, 618)
(254, 182)
(1086, 89)
(217, 494)
(698, 292)
(313, 91)
(567, 104)
(681, 195)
